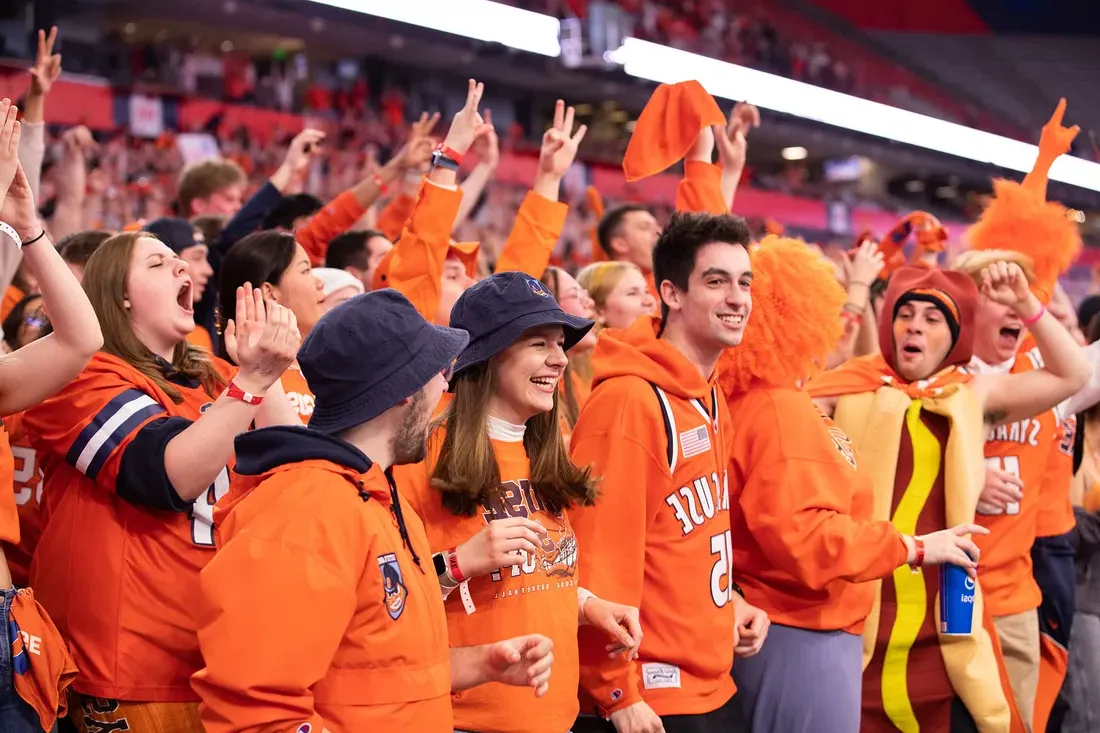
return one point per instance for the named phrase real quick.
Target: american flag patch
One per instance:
(694, 441)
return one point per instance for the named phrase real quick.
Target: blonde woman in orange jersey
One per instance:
(495, 495)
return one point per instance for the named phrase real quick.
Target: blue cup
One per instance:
(956, 601)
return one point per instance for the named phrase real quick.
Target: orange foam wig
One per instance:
(1019, 220)
(795, 321)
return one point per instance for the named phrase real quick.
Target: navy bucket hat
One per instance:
(178, 234)
(497, 310)
(369, 353)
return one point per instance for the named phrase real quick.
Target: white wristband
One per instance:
(7, 229)
(583, 596)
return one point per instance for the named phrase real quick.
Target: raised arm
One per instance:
(1054, 141)
(41, 368)
(487, 149)
(341, 214)
(46, 70)
(541, 217)
(732, 147)
(1065, 369)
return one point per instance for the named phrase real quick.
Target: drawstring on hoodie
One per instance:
(363, 493)
(401, 520)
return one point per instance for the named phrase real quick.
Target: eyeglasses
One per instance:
(36, 320)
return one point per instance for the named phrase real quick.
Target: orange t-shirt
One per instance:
(28, 496)
(1022, 448)
(118, 579)
(539, 596)
(298, 392)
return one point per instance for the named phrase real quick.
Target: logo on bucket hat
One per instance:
(537, 288)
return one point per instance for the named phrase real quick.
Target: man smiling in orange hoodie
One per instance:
(658, 538)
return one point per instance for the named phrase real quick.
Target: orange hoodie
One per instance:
(317, 610)
(803, 539)
(658, 537)
(537, 596)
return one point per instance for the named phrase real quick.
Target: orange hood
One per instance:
(262, 453)
(637, 352)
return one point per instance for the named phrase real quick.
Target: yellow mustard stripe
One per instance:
(911, 597)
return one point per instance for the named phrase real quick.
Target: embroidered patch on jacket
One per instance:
(694, 441)
(393, 585)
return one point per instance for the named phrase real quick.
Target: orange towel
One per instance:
(667, 128)
(40, 660)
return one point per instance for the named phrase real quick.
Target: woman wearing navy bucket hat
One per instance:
(494, 495)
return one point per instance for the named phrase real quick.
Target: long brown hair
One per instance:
(466, 471)
(105, 282)
(570, 407)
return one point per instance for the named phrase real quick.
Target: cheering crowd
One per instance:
(275, 471)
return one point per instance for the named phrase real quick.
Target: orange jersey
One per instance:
(364, 636)
(27, 476)
(538, 596)
(1055, 508)
(298, 392)
(658, 537)
(9, 512)
(803, 538)
(117, 578)
(1022, 449)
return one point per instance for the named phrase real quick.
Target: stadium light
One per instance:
(524, 30)
(654, 62)
(794, 153)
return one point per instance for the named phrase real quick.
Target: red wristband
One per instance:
(449, 153)
(452, 565)
(382, 185)
(918, 561)
(1034, 319)
(248, 398)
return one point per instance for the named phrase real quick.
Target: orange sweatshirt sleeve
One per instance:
(611, 534)
(701, 189)
(392, 218)
(250, 683)
(416, 264)
(1055, 509)
(797, 495)
(534, 235)
(338, 216)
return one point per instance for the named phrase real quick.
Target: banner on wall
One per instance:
(146, 116)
